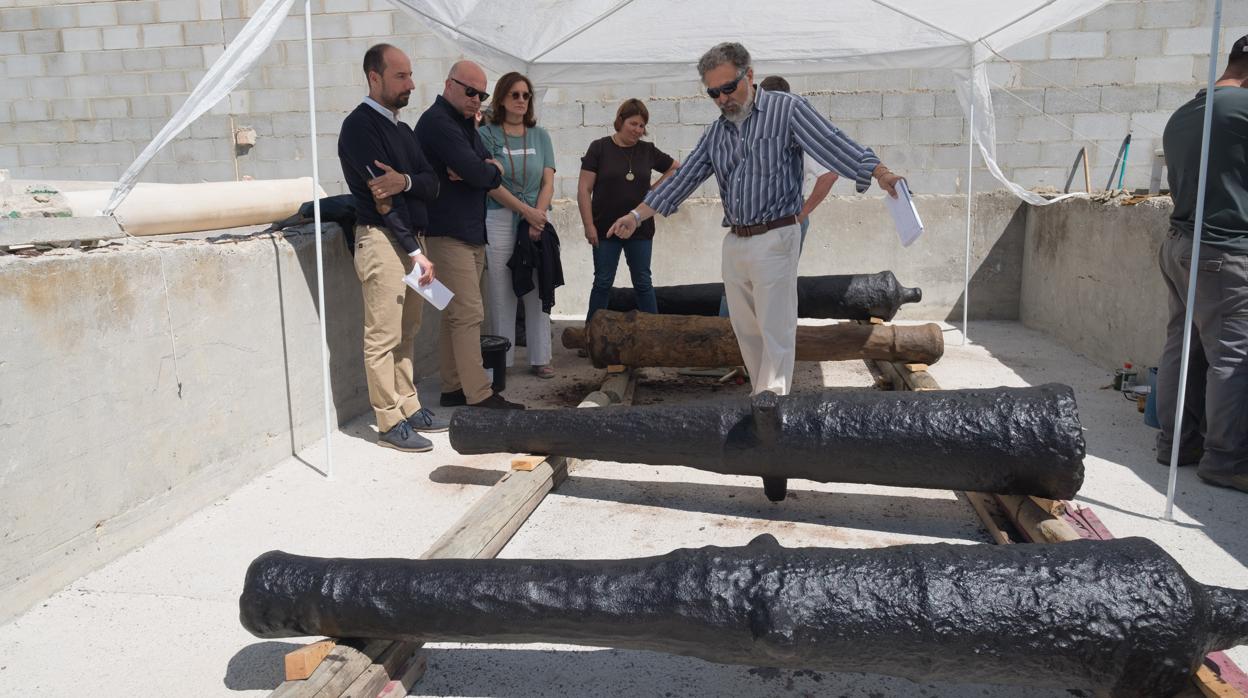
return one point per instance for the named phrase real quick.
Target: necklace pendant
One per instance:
(629, 176)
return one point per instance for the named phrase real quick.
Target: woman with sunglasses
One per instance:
(615, 177)
(523, 148)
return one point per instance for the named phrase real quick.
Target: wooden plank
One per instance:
(377, 675)
(1038, 525)
(346, 662)
(409, 674)
(492, 520)
(616, 386)
(616, 368)
(526, 463)
(302, 662)
(915, 368)
(877, 321)
(1211, 685)
(990, 514)
(916, 380)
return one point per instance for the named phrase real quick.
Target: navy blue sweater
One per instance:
(366, 136)
(450, 140)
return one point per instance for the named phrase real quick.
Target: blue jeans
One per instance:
(607, 260)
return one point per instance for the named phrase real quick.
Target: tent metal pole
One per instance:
(1193, 271)
(320, 258)
(970, 200)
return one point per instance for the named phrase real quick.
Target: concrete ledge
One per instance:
(1090, 278)
(57, 231)
(107, 439)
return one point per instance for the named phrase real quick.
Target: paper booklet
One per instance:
(905, 215)
(436, 292)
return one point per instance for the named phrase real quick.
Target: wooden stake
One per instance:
(302, 662)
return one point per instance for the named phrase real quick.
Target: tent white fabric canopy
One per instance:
(579, 42)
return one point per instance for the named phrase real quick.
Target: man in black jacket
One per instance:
(456, 239)
(386, 171)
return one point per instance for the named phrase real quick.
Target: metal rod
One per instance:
(320, 257)
(1193, 271)
(970, 171)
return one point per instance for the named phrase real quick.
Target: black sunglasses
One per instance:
(472, 91)
(521, 95)
(728, 87)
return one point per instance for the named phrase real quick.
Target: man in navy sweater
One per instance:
(385, 170)
(447, 133)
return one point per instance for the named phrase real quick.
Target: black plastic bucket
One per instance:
(494, 356)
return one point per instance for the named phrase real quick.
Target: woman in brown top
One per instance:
(615, 176)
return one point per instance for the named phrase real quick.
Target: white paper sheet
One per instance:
(905, 215)
(436, 293)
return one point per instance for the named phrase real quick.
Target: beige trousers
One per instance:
(459, 266)
(391, 321)
(760, 283)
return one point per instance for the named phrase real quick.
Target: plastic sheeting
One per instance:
(221, 79)
(566, 42)
(582, 42)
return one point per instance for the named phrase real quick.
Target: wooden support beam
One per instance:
(302, 662)
(526, 463)
(375, 676)
(1211, 685)
(340, 668)
(409, 674)
(991, 516)
(1038, 525)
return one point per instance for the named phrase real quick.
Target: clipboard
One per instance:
(905, 215)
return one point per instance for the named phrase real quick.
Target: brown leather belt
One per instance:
(745, 231)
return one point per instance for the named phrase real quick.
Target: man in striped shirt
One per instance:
(755, 152)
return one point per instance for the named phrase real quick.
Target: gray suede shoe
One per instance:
(402, 438)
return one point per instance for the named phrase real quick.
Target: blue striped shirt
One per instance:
(759, 167)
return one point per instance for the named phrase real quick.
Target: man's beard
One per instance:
(400, 100)
(739, 115)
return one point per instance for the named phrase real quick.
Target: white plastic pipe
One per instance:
(320, 257)
(159, 209)
(970, 202)
(1194, 271)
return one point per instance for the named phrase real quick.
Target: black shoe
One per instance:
(402, 438)
(498, 402)
(425, 420)
(453, 399)
(1231, 480)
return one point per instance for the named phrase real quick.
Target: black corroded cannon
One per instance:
(837, 297)
(644, 339)
(1003, 440)
(1119, 616)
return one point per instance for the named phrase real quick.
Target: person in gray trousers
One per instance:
(1214, 432)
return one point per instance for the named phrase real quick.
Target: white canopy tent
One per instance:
(581, 42)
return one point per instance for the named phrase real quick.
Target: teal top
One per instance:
(524, 158)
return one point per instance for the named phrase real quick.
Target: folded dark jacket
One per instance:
(541, 256)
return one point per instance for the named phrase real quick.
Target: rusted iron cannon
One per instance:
(1003, 440)
(643, 339)
(1118, 616)
(837, 297)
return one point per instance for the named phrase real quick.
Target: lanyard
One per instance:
(524, 162)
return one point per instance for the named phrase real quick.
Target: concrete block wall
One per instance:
(85, 85)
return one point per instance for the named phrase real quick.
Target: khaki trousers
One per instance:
(459, 266)
(760, 283)
(391, 321)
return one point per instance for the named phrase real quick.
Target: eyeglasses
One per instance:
(728, 87)
(521, 95)
(472, 91)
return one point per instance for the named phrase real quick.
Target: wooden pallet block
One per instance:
(302, 662)
(526, 463)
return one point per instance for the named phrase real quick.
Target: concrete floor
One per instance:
(164, 618)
